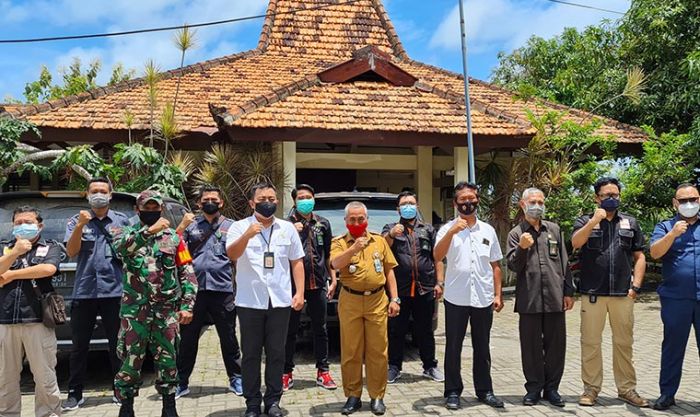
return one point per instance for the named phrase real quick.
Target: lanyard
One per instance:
(269, 239)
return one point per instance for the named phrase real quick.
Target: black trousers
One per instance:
(422, 309)
(83, 317)
(456, 320)
(543, 350)
(316, 302)
(220, 307)
(263, 329)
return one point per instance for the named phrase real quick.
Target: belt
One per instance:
(368, 292)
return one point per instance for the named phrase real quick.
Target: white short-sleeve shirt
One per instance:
(469, 275)
(257, 286)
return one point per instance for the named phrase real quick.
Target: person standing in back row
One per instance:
(320, 283)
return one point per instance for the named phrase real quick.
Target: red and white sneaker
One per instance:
(287, 382)
(323, 379)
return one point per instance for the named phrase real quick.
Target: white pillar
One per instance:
(461, 164)
(424, 181)
(289, 164)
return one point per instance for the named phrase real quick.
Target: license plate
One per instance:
(60, 280)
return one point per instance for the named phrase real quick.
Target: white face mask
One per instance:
(534, 211)
(689, 210)
(98, 200)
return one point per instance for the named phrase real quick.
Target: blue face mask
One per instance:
(26, 231)
(408, 211)
(306, 206)
(610, 204)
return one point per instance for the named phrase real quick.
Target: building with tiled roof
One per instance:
(334, 88)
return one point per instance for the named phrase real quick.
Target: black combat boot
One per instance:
(169, 409)
(127, 408)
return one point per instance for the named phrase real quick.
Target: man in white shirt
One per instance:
(265, 248)
(472, 291)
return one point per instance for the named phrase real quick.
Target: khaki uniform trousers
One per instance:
(363, 340)
(620, 313)
(38, 342)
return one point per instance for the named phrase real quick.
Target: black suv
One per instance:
(56, 208)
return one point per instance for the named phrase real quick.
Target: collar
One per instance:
(299, 217)
(39, 242)
(525, 226)
(109, 215)
(349, 238)
(252, 219)
(218, 219)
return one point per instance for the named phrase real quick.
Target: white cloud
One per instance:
(508, 24)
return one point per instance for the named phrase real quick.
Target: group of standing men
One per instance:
(155, 287)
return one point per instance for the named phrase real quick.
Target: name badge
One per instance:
(378, 267)
(625, 224)
(42, 251)
(269, 260)
(553, 248)
(319, 240)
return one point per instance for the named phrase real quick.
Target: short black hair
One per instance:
(99, 179)
(468, 185)
(260, 186)
(209, 188)
(686, 185)
(27, 209)
(602, 182)
(306, 187)
(406, 193)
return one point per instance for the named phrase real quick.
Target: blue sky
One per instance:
(429, 30)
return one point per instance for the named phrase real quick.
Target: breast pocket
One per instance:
(283, 247)
(626, 237)
(595, 240)
(425, 245)
(166, 258)
(483, 250)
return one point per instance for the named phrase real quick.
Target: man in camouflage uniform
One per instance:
(160, 287)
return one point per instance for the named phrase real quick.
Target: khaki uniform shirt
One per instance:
(367, 269)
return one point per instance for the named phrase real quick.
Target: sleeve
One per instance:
(568, 278)
(234, 233)
(296, 249)
(327, 238)
(579, 223)
(639, 242)
(130, 240)
(387, 228)
(441, 233)
(337, 247)
(515, 255)
(660, 230)
(53, 257)
(70, 226)
(389, 259)
(188, 280)
(496, 253)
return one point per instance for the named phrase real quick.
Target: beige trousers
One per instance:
(620, 313)
(39, 344)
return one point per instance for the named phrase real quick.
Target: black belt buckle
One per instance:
(593, 298)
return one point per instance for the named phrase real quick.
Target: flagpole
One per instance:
(470, 138)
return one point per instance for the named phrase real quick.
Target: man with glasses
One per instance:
(205, 236)
(612, 271)
(677, 242)
(412, 243)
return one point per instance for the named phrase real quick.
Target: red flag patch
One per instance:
(183, 254)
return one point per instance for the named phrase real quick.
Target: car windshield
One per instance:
(55, 212)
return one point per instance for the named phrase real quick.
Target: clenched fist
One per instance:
(360, 244)
(396, 230)
(84, 217)
(187, 220)
(526, 240)
(253, 229)
(21, 247)
(159, 226)
(299, 226)
(598, 215)
(459, 225)
(679, 228)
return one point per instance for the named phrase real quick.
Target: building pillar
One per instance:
(424, 181)
(461, 164)
(287, 152)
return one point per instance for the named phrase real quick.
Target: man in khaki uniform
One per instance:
(365, 263)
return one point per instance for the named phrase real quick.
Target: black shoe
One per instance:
(532, 398)
(491, 400)
(127, 408)
(274, 410)
(73, 402)
(252, 413)
(554, 398)
(351, 405)
(664, 402)
(169, 409)
(377, 406)
(452, 402)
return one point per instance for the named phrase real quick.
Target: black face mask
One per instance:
(210, 208)
(467, 208)
(149, 218)
(266, 209)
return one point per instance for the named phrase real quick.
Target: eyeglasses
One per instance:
(688, 200)
(609, 195)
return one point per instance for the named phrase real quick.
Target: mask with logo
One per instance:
(357, 230)
(149, 218)
(408, 211)
(689, 209)
(610, 204)
(305, 207)
(98, 200)
(534, 211)
(467, 208)
(210, 208)
(266, 209)
(26, 231)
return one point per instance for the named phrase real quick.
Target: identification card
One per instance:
(319, 239)
(553, 248)
(378, 265)
(269, 260)
(625, 224)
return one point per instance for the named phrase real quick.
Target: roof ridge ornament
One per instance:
(368, 59)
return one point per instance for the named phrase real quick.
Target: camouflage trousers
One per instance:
(154, 328)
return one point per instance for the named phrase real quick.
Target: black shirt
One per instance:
(606, 258)
(18, 301)
(316, 239)
(542, 276)
(413, 250)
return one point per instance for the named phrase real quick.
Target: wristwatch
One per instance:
(441, 284)
(396, 300)
(636, 289)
